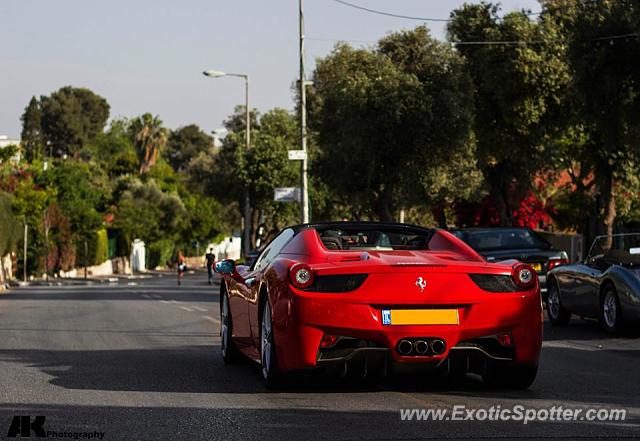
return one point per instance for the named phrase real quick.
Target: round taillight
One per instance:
(301, 275)
(524, 275)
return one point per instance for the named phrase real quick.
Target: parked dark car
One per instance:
(522, 244)
(606, 285)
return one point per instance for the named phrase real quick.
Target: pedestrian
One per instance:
(211, 260)
(182, 266)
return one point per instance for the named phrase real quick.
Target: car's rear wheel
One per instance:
(228, 348)
(610, 313)
(514, 377)
(270, 372)
(558, 315)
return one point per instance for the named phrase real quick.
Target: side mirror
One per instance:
(227, 266)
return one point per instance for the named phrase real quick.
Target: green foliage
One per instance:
(518, 92)
(260, 169)
(8, 152)
(185, 144)
(146, 212)
(32, 137)
(160, 252)
(81, 192)
(99, 249)
(114, 151)
(599, 148)
(30, 201)
(9, 225)
(399, 118)
(149, 138)
(72, 118)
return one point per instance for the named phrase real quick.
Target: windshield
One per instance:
(513, 238)
(618, 249)
(374, 237)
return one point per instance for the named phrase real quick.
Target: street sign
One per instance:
(286, 194)
(297, 155)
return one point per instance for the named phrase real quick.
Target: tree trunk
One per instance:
(607, 209)
(441, 216)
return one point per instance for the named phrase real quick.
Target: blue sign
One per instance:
(386, 316)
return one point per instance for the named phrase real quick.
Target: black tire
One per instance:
(268, 355)
(228, 349)
(514, 377)
(558, 315)
(610, 311)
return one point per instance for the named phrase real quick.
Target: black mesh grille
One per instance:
(495, 283)
(337, 283)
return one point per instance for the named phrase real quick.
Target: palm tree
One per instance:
(149, 138)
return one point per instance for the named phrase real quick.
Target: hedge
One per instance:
(159, 253)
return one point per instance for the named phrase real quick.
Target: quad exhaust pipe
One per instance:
(427, 346)
(438, 346)
(422, 347)
(405, 347)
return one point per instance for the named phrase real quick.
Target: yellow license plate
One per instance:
(537, 266)
(420, 317)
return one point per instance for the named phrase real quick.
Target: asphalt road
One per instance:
(141, 362)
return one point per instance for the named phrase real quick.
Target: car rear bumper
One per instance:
(302, 319)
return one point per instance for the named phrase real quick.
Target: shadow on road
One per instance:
(581, 329)
(199, 369)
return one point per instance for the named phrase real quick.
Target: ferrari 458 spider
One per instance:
(371, 298)
(605, 286)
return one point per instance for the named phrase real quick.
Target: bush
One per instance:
(159, 253)
(97, 249)
(101, 247)
(9, 226)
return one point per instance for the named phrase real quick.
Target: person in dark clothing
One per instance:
(181, 264)
(211, 261)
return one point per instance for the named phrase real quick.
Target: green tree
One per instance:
(606, 97)
(260, 169)
(8, 152)
(145, 212)
(9, 224)
(114, 151)
(185, 144)
(72, 118)
(398, 117)
(519, 89)
(32, 136)
(149, 138)
(30, 200)
(81, 196)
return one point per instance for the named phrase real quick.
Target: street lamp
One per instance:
(247, 208)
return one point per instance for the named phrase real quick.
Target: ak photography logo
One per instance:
(25, 426)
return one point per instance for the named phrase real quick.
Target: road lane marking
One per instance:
(156, 296)
(211, 319)
(186, 309)
(166, 302)
(198, 308)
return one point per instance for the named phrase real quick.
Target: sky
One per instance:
(148, 55)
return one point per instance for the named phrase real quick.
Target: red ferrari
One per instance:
(373, 298)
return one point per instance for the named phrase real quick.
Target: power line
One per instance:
(406, 17)
(389, 14)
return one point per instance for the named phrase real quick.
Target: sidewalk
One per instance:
(79, 281)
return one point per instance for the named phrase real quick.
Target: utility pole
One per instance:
(303, 121)
(24, 256)
(247, 202)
